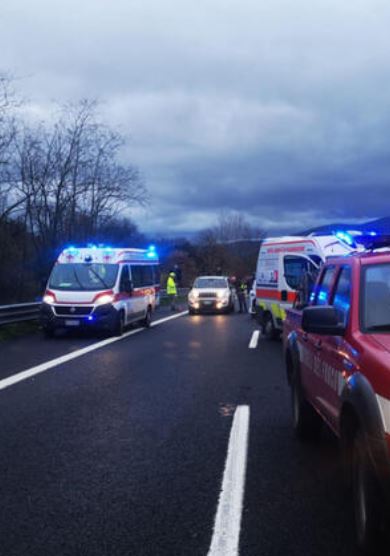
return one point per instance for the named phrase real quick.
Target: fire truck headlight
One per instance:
(104, 299)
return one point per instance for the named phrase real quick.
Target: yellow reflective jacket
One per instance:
(171, 286)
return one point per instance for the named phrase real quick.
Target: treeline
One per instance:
(229, 248)
(60, 181)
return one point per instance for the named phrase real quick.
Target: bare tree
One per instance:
(229, 247)
(71, 179)
(10, 199)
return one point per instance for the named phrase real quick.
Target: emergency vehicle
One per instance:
(337, 354)
(282, 262)
(102, 288)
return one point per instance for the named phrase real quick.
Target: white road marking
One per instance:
(254, 340)
(227, 524)
(24, 375)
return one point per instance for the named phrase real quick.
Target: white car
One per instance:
(211, 294)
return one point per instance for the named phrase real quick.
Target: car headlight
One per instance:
(223, 295)
(104, 299)
(193, 295)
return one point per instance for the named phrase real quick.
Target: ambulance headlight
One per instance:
(105, 299)
(49, 298)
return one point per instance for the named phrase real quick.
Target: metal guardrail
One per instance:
(180, 292)
(20, 312)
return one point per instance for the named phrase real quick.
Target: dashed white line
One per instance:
(24, 375)
(254, 339)
(226, 534)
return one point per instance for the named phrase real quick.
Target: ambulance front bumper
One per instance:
(102, 317)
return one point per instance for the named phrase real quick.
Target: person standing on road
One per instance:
(241, 295)
(172, 290)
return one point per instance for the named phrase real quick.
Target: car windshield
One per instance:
(210, 283)
(376, 298)
(83, 277)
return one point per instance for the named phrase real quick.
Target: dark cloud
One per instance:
(276, 109)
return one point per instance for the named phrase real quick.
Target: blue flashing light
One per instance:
(71, 250)
(372, 234)
(346, 238)
(151, 253)
(90, 318)
(322, 295)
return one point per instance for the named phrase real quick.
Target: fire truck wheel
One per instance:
(366, 498)
(307, 423)
(148, 318)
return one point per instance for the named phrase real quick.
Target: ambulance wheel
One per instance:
(269, 329)
(119, 324)
(366, 498)
(148, 318)
(307, 423)
(48, 332)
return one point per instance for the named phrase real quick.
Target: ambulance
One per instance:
(282, 261)
(101, 288)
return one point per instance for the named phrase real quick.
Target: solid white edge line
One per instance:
(23, 375)
(226, 534)
(254, 339)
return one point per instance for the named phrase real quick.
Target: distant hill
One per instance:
(380, 225)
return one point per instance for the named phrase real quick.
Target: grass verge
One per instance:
(9, 331)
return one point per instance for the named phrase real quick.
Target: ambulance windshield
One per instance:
(83, 277)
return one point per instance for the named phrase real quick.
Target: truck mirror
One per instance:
(322, 320)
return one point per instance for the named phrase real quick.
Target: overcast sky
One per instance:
(278, 108)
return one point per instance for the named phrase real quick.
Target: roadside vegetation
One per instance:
(62, 182)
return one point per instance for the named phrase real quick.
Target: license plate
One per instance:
(73, 322)
(207, 302)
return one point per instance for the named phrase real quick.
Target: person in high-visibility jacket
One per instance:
(172, 290)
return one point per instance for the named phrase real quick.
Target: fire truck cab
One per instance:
(101, 288)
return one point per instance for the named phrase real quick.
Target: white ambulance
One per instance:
(281, 264)
(101, 288)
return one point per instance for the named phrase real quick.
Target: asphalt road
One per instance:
(121, 451)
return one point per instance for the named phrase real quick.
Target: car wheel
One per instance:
(307, 423)
(366, 497)
(148, 318)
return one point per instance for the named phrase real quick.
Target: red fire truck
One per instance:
(337, 354)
